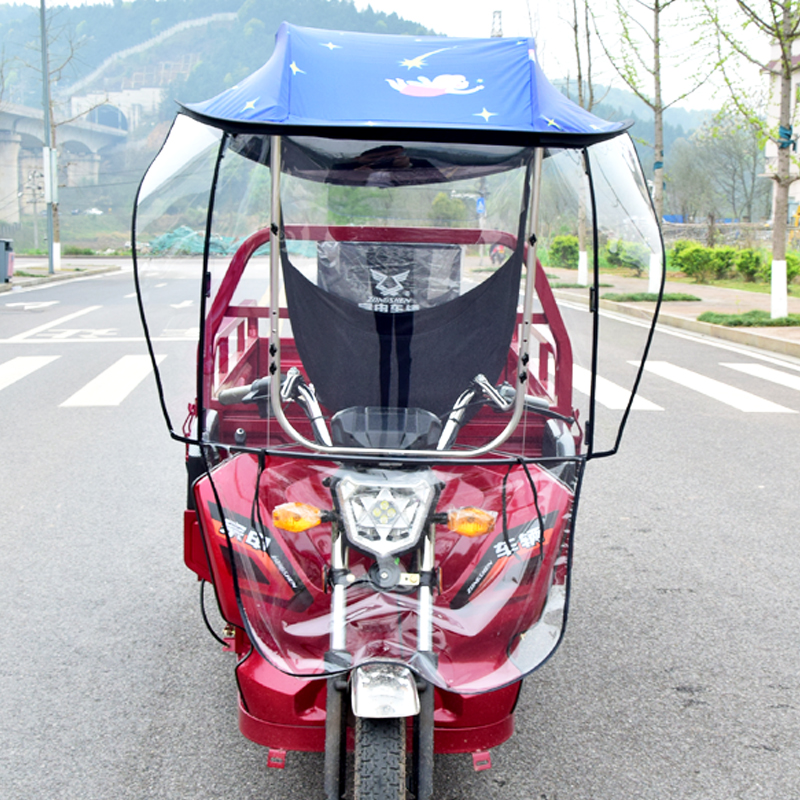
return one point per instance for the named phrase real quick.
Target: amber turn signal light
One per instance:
(296, 517)
(471, 521)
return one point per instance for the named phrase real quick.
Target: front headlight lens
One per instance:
(384, 510)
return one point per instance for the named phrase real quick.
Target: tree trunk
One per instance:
(783, 179)
(658, 114)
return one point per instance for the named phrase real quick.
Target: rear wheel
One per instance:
(380, 759)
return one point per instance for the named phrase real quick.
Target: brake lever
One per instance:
(294, 388)
(493, 394)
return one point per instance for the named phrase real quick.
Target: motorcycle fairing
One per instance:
(491, 589)
(271, 566)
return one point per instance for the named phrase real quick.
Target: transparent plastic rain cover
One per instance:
(400, 269)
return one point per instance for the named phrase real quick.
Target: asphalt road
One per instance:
(678, 676)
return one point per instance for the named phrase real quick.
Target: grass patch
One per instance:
(745, 286)
(562, 285)
(648, 297)
(750, 319)
(71, 250)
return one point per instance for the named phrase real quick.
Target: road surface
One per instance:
(678, 676)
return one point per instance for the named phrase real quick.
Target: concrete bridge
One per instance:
(80, 145)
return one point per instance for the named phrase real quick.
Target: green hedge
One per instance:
(707, 263)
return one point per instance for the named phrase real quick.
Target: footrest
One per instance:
(481, 761)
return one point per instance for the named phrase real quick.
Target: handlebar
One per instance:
(230, 397)
(501, 398)
(294, 388)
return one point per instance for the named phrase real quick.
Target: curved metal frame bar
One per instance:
(275, 344)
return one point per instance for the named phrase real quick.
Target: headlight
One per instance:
(383, 510)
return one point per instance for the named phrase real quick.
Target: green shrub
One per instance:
(72, 250)
(698, 262)
(748, 263)
(631, 255)
(723, 261)
(792, 268)
(675, 253)
(563, 252)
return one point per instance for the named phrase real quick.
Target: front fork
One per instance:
(379, 690)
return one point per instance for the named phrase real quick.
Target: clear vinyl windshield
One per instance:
(394, 396)
(397, 272)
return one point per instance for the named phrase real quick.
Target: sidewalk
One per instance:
(684, 314)
(32, 270)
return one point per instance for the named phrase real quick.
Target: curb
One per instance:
(25, 281)
(740, 336)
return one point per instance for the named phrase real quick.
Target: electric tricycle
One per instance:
(389, 409)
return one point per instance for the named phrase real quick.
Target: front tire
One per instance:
(380, 759)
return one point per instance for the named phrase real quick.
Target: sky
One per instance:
(547, 22)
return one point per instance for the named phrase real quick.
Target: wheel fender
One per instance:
(384, 691)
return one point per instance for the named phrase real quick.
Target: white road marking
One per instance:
(180, 333)
(768, 374)
(17, 368)
(132, 294)
(34, 306)
(699, 338)
(113, 385)
(730, 395)
(91, 334)
(184, 304)
(55, 323)
(609, 394)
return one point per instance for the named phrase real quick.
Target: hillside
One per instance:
(619, 104)
(190, 50)
(99, 31)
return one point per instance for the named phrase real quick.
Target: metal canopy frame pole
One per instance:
(275, 281)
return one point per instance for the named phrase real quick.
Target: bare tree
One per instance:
(63, 46)
(779, 22)
(718, 172)
(582, 40)
(639, 61)
(733, 152)
(690, 190)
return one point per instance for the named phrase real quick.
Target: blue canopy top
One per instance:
(369, 86)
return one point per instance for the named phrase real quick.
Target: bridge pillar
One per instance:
(83, 169)
(9, 176)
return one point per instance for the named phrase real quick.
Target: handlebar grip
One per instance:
(229, 397)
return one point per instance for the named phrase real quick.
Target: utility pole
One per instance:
(50, 171)
(36, 189)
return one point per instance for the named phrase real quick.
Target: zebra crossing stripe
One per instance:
(113, 385)
(609, 394)
(768, 374)
(724, 393)
(52, 324)
(17, 368)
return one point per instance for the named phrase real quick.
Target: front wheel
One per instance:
(380, 759)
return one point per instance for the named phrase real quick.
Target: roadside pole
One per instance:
(50, 171)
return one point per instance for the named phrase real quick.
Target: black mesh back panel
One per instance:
(417, 359)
